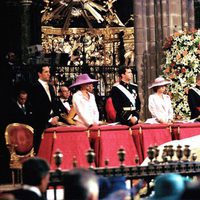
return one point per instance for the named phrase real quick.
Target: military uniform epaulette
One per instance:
(116, 84)
(134, 84)
(196, 89)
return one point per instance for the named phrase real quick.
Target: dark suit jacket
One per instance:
(18, 116)
(194, 102)
(22, 194)
(62, 109)
(42, 106)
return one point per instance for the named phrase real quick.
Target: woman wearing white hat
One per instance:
(84, 102)
(159, 103)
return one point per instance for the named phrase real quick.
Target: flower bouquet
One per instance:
(181, 65)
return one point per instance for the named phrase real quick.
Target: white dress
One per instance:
(193, 143)
(86, 109)
(160, 108)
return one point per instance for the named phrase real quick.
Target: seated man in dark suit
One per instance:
(64, 102)
(35, 175)
(21, 110)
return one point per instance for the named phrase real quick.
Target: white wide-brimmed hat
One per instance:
(83, 79)
(160, 81)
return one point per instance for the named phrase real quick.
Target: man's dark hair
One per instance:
(39, 67)
(77, 184)
(63, 85)
(21, 92)
(33, 170)
(122, 70)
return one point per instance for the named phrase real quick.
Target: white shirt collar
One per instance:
(44, 83)
(10, 63)
(63, 100)
(19, 104)
(32, 189)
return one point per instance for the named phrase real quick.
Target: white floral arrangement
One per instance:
(181, 65)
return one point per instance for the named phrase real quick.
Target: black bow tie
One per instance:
(65, 101)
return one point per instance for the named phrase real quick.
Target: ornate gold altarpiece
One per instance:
(101, 42)
(99, 49)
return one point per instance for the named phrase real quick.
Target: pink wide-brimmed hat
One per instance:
(83, 79)
(160, 81)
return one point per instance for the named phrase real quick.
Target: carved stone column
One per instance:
(25, 10)
(188, 13)
(145, 54)
(154, 21)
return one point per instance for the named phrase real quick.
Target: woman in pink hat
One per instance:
(159, 103)
(84, 103)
